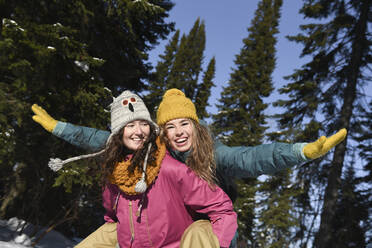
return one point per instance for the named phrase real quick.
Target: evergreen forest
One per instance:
(72, 57)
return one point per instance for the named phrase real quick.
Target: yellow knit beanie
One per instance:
(175, 105)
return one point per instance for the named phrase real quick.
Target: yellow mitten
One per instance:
(43, 118)
(323, 144)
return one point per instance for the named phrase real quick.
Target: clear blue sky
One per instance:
(226, 24)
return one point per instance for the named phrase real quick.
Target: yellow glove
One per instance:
(43, 118)
(323, 144)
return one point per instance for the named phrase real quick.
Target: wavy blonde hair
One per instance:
(201, 157)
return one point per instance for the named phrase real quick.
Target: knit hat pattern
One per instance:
(128, 107)
(175, 105)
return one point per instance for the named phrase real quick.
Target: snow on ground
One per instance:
(11, 236)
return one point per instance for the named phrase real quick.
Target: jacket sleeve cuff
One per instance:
(298, 149)
(57, 131)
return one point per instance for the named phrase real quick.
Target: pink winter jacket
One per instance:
(168, 207)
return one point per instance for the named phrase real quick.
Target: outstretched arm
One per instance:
(84, 137)
(253, 161)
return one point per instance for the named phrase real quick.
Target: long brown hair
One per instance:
(201, 157)
(116, 152)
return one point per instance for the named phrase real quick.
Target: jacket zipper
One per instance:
(131, 222)
(148, 230)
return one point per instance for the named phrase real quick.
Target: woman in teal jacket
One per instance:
(231, 162)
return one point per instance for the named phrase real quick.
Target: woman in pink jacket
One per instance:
(152, 196)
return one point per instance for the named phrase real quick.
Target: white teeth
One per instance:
(181, 140)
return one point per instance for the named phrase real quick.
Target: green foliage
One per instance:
(240, 117)
(245, 206)
(241, 120)
(158, 84)
(326, 94)
(180, 67)
(72, 174)
(204, 90)
(276, 217)
(64, 56)
(185, 70)
(364, 138)
(353, 205)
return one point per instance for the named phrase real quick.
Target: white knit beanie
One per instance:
(128, 107)
(125, 108)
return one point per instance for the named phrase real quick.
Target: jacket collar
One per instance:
(180, 156)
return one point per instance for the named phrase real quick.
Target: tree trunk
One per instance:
(324, 235)
(17, 188)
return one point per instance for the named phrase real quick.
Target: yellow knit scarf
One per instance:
(126, 181)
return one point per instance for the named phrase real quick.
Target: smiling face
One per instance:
(135, 133)
(180, 134)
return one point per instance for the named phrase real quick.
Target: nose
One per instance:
(179, 131)
(138, 129)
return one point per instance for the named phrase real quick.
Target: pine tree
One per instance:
(241, 118)
(353, 206)
(180, 66)
(275, 217)
(38, 66)
(56, 54)
(186, 68)
(204, 90)
(245, 205)
(363, 125)
(159, 84)
(324, 93)
(364, 139)
(305, 186)
(241, 110)
(137, 26)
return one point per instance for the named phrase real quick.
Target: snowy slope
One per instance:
(10, 236)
